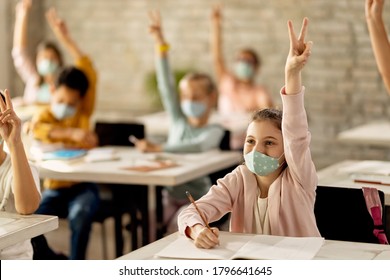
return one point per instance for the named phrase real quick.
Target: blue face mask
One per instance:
(47, 66)
(62, 111)
(43, 94)
(193, 109)
(261, 164)
(244, 70)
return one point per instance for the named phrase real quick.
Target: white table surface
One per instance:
(331, 250)
(334, 176)
(15, 228)
(372, 134)
(190, 166)
(157, 124)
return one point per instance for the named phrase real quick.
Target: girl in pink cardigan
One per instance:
(274, 191)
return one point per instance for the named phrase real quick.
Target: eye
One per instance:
(269, 143)
(250, 141)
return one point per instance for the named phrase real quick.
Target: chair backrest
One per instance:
(225, 142)
(341, 214)
(117, 134)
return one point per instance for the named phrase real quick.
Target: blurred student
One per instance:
(19, 182)
(238, 92)
(40, 76)
(274, 191)
(64, 121)
(189, 113)
(379, 40)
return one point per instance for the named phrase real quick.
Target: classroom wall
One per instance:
(343, 86)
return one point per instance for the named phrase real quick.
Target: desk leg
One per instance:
(152, 212)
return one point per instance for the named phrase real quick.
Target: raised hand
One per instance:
(57, 24)
(374, 9)
(10, 124)
(155, 27)
(216, 14)
(300, 50)
(23, 7)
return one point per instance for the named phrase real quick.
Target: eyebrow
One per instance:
(263, 137)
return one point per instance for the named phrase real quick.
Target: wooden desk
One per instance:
(15, 228)
(190, 166)
(334, 176)
(372, 134)
(331, 250)
(157, 124)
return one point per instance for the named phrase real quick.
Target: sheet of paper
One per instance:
(184, 248)
(280, 248)
(367, 167)
(384, 255)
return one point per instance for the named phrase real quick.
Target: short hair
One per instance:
(256, 58)
(206, 81)
(52, 46)
(73, 78)
(273, 115)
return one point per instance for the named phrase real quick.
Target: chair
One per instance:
(117, 199)
(341, 214)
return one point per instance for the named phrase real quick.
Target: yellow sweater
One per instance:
(44, 121)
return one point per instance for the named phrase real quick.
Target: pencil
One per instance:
(200, 213)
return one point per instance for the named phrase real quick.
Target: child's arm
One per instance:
(27, 196)
(21, 17)
(81, 60)
(216, 42)
(295, 131)
(167, 89)
(379, 40)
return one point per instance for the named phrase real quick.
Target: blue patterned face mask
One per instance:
(47, 66)
(261, 164)
(193, 109)
(62, 111)
(244, 70)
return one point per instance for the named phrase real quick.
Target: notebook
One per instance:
(64, 154)
(234, 246)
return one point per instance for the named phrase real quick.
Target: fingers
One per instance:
(3, 107)
(302, 59)
(8, 99)
(207, 239)
(303, 32)
(291, 33)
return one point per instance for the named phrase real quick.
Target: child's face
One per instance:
(66, 95)
(264, 137)
(194, 92)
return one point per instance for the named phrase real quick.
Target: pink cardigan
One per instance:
(291, 196)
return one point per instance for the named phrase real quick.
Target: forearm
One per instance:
(216, 47)
(27, 197)
(60, 134)
(381, 48)
(20, 32)
(293, 82)
(71, 46)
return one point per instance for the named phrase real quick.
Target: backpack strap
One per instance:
(374, 207)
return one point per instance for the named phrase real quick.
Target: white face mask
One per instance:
(47, 66)
(193, 109)
(62, 111)
(244, 70)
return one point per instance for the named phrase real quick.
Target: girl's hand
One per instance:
(155, 27)
(145, 146)
(57, 24)
(23, 7)
(300, 50)
(10, 124)
(204, 238)
(374, 9)
(216, 14)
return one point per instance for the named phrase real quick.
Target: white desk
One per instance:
(372, 134)
(331, 250)
(334, 176)
(157, 124)
(26, 112)
(15, 228)
(190, 166)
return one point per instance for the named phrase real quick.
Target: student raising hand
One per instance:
(10, 124)
(298, 55)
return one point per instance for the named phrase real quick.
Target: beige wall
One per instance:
(343, 85)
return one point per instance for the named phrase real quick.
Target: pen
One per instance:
(371, 182)
(200, 213)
